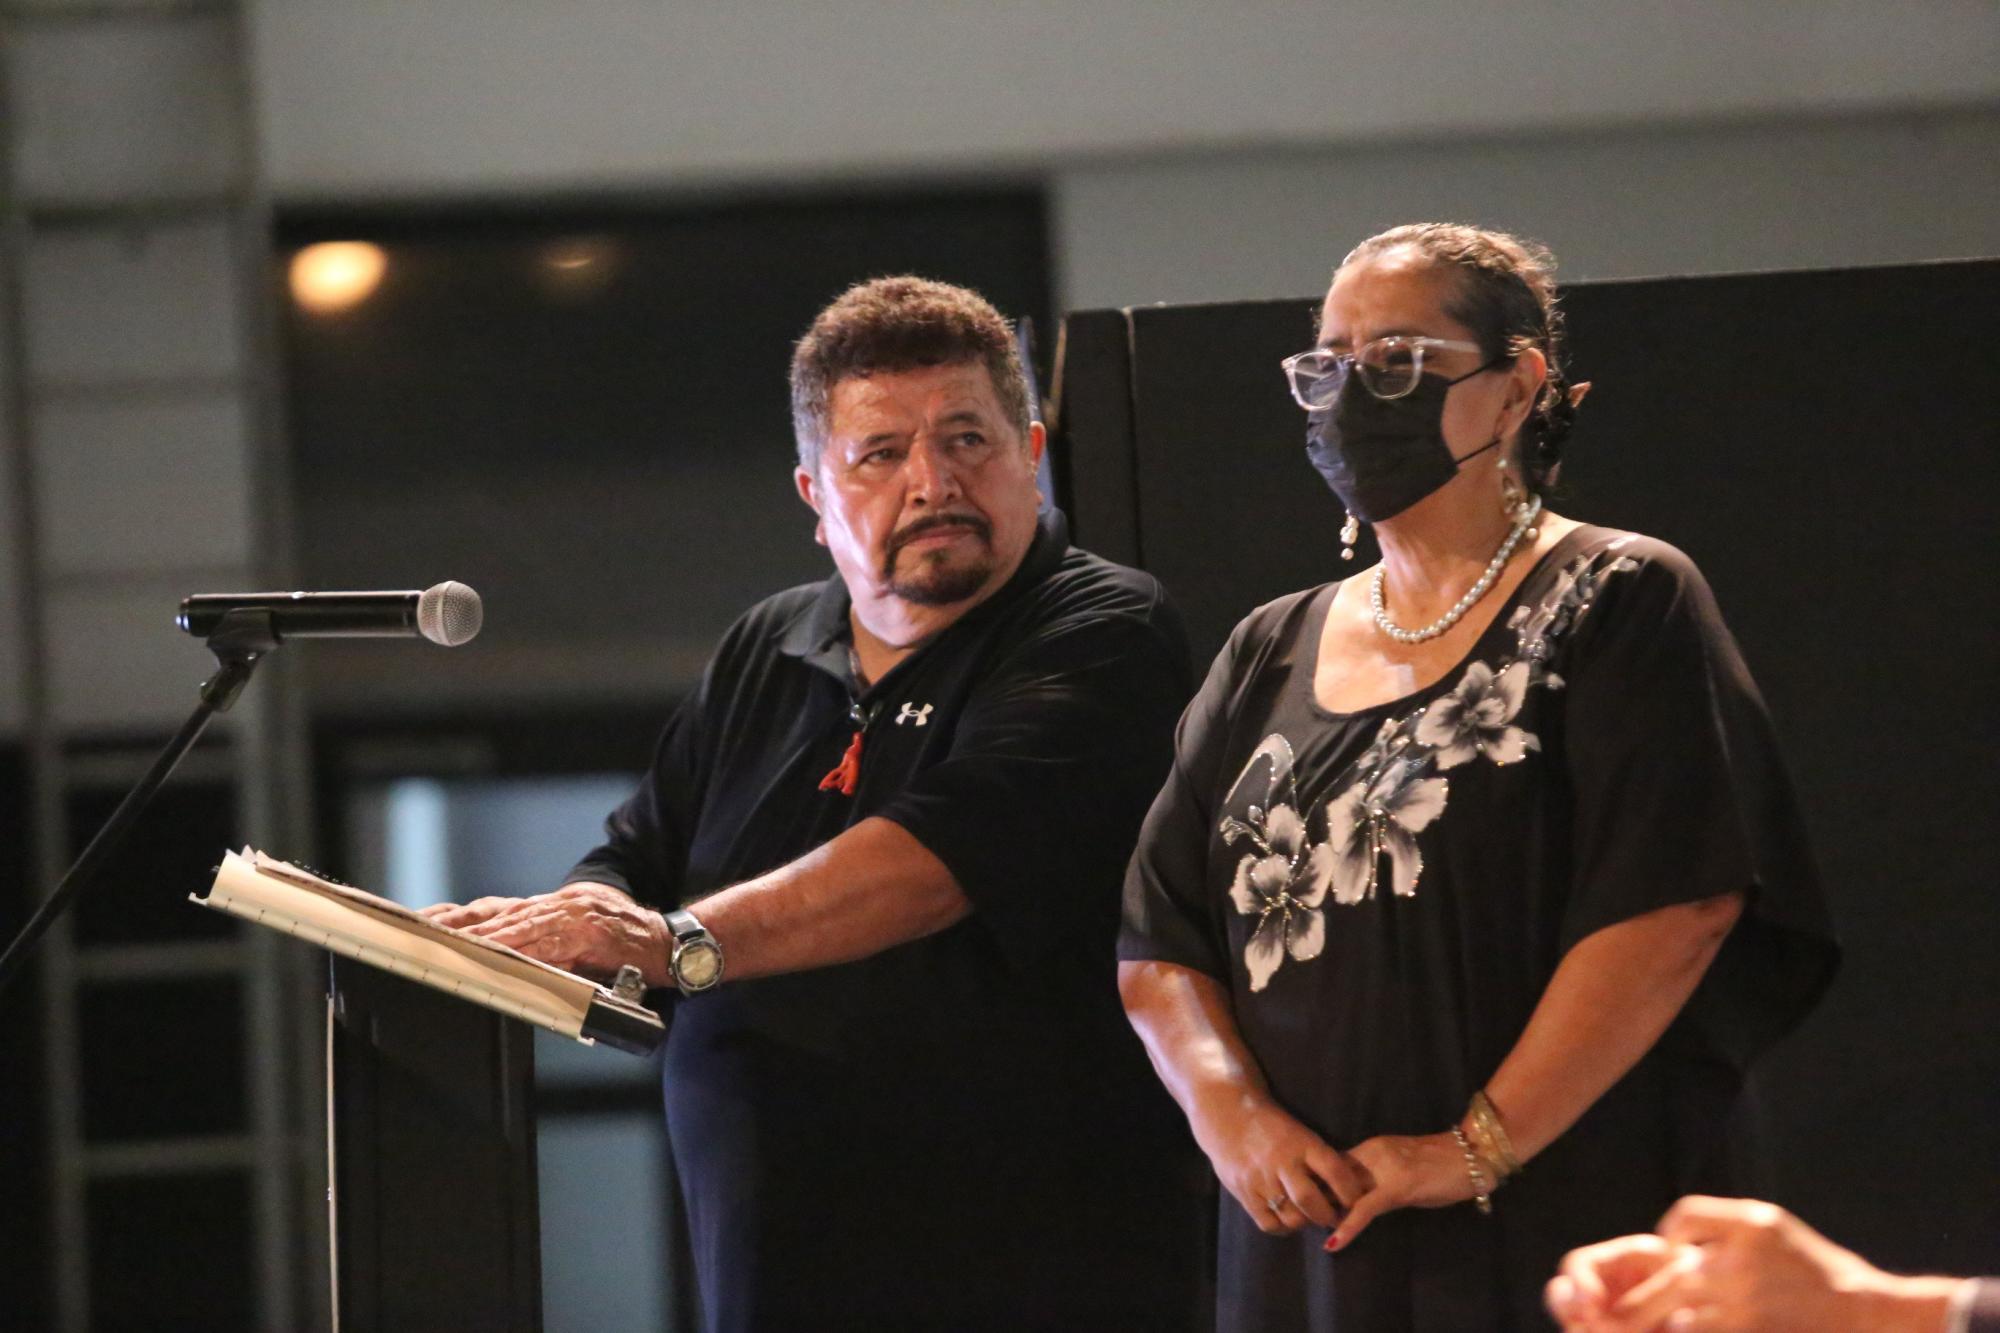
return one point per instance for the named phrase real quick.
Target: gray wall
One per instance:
(381, 96)
(142, 465)
(1804, 193)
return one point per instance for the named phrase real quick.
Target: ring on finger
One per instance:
(1276, 1205)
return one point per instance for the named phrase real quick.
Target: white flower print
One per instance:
(1476, 717)
(1393, 791)
(1390, 740)
(1537, 628)
(1377, 817)
(1284, 889)
(1282, 883)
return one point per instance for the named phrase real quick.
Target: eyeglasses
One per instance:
(1389, 367)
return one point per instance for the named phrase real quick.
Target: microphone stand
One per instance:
(242, 637)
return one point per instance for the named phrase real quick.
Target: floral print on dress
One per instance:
(1378, 820)
(1476, 718)
(1283, 881)
(1537, 628)
(1393, 791)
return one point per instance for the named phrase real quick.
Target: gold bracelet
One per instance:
(1491, 1135)
(1481, 1191)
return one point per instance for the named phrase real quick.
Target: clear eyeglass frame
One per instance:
(1390, 367)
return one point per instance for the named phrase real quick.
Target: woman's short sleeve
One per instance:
(1168, 915)
(1680, 795)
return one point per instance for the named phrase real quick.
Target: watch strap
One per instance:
(682, 924)
(689, 933)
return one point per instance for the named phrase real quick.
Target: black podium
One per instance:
(431, 1159)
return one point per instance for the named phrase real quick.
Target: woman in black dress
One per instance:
(1476, 869)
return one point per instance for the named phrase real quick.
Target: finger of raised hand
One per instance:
(1568, 1308)
(1601, 1273)
(1678, 1284)
(1559, 1297)
(1699, 1219)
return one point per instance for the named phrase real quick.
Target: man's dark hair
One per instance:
(887, 325)
(1507, 296)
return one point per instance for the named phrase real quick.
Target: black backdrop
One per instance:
(1823, 445)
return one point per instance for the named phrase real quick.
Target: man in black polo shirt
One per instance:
(900, 1089)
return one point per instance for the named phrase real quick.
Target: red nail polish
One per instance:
(1332, 1245)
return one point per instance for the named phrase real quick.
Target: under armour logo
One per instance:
(921, 716)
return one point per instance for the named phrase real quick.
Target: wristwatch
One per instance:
(696, 962)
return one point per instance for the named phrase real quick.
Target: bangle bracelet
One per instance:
(1494, 1144)
(1480, 1195)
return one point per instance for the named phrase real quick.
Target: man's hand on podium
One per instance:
(590, 929)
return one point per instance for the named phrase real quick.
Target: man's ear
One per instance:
(808, 484)
(1038, 441)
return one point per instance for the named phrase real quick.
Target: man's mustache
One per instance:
(934, 522)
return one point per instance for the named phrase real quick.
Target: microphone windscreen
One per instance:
(449, 613)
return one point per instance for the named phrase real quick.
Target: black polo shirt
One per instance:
(961, 1131)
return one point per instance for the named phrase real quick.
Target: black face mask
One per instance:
(1382, 455)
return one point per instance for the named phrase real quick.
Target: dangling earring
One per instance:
(1519, 506)
(1350, 532)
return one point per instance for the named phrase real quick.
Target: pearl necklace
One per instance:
(1523, 525)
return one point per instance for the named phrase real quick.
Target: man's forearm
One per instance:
(872, 888)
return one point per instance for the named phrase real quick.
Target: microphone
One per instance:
(447, 614)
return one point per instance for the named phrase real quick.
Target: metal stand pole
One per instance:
(238, 642)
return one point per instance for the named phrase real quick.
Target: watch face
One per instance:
(698, 965)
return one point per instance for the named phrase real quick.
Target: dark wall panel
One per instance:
(1823, 445)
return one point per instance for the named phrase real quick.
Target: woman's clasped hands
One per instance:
(1286, 1177)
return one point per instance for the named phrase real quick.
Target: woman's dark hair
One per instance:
(1507, 296)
